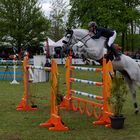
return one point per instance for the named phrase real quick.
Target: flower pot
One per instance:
(117, 122)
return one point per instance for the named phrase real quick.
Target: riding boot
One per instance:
(115, 52)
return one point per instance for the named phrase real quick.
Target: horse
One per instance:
(95, 49)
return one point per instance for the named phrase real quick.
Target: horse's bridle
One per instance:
(70, 39)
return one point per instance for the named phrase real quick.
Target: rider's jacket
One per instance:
(107, 33)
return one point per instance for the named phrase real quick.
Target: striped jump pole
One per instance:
(86, 82)
(105, 111)
(87, 94)
(86, 68)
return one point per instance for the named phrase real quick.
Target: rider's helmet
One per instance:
(92, 24)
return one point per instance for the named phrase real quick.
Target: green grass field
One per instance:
(24, 125)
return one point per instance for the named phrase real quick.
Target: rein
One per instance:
(84, 43)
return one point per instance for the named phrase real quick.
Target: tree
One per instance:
(23, 22)
(57, 19)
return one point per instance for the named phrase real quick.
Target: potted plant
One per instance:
(117, 98)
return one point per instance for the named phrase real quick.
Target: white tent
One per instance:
(51, 42)
(59, 43)
(51, 46)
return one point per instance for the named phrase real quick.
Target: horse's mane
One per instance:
(83, 30)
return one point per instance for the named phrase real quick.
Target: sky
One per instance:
(46, 6)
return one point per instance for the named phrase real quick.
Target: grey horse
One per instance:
(95, 49)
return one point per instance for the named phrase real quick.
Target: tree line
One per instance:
(23, 25)
(121, 15)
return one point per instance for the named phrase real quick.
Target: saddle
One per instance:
(110, 54)
(117, 47)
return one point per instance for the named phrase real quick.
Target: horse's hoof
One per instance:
(136, 112)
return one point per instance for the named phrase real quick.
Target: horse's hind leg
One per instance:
(133, 92)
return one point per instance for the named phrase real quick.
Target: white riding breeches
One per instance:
(111, 39)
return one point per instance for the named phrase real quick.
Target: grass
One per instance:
(24, 125)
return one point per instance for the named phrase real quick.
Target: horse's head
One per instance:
(68, 40)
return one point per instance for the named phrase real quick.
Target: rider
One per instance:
(96, 32)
